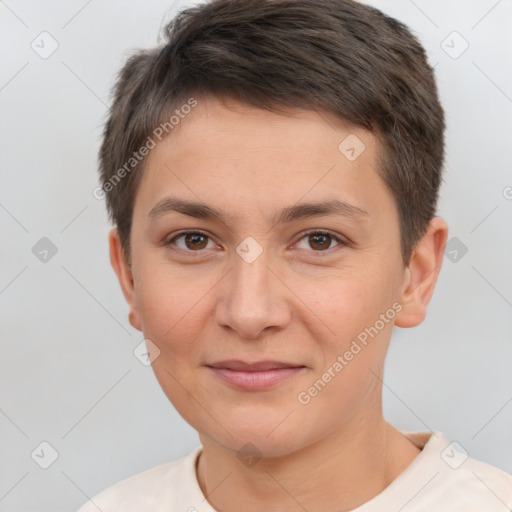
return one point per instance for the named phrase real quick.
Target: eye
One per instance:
(192, 241)
(196, 241)
(320, 240)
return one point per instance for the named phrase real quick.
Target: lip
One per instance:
(257, 366)
(255, 376)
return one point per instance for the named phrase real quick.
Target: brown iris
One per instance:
(197, 241)
(320, 241)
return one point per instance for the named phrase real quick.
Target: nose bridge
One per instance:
(252, 299)
(251, 278)
(250, 292)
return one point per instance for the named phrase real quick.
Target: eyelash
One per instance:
(341, 242)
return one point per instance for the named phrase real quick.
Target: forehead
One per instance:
(226, 153)
(223, 123)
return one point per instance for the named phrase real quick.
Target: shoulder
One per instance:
(155, 489)
(446, 478)
(476, 485)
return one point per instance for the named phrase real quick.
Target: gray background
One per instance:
(68, 373)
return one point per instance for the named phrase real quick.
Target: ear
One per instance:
(421, 274)
(125, 277)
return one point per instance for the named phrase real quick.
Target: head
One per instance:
(309, 136)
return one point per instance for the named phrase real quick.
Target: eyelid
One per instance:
(183, 232)
(169, 241)
(342, 241)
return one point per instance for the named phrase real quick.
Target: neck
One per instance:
(341, 471)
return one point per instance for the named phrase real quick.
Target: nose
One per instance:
(253, 299)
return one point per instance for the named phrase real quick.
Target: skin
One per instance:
(297, 302)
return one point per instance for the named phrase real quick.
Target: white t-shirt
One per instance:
(440, 479)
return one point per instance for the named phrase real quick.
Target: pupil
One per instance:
(315, 240)
(195, 239)
(323, 239)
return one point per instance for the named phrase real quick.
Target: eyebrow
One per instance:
(287, 214)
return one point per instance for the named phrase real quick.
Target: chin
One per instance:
(269, 434)
(261, 446)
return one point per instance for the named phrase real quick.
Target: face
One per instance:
(250, 296)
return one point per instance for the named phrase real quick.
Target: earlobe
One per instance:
(125, 277)
(420, 277)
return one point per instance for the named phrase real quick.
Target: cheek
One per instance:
(173, 315)
(347, 301)
(172, 309)
(353, 354)
(351, 306)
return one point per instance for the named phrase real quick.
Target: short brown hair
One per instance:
(340, 55)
